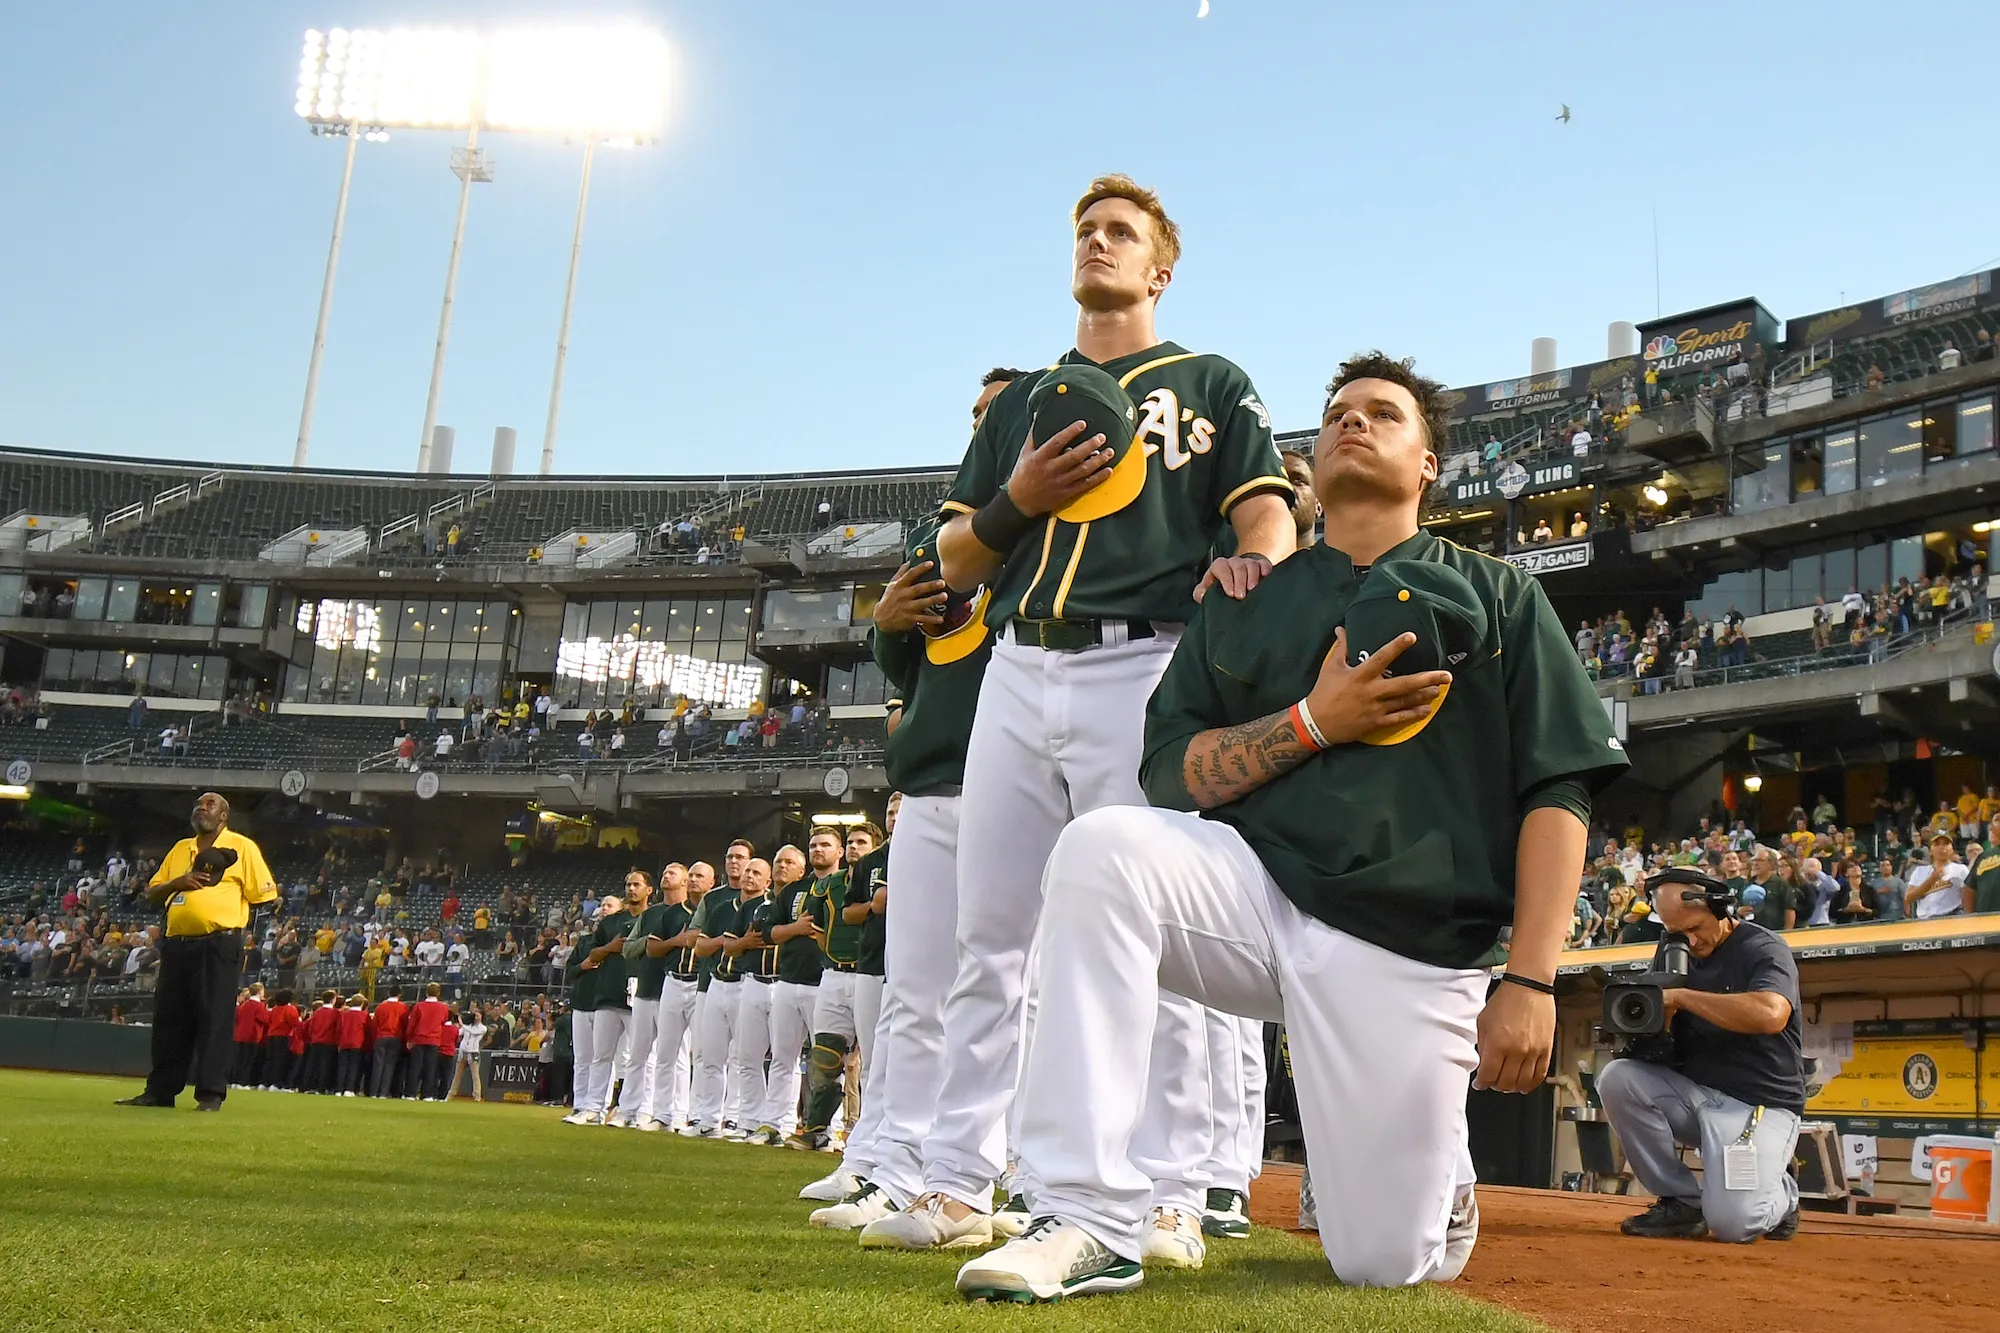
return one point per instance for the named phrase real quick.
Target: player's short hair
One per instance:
(869, 827)
(1429, 393)
(1000, 375)
(749, 847)
(831, 831)
(1166, 234)
(644, 876)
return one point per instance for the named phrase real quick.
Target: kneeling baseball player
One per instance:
(1369, 766)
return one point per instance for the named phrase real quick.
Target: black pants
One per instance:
(245, 1072)
(277, 1068)
(382, 1079)
(350, 1071)
(194, 1016)
(422, 1071)
(319, 1068)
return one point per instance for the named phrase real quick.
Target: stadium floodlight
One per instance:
(605, 83)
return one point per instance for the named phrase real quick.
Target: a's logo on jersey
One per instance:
(1613, 743)
(1160, 422)
(1263, 416)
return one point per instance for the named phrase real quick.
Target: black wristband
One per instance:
(999, 524)
(1540, 987)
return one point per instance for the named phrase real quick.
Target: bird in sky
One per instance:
(1564, 117)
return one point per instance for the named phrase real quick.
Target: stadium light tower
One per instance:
(604, 83)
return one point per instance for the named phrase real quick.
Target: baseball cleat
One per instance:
(647, 1124)
(1460, 1235)
(1173, 1239)
(694, 1131)
(865, 1205)
(833, 1187)
(1222, 1216)
(807, 1140)
(580, 1118)
(618, 1120)
(1050, 1261)
(1012, 1217)
(925, 1225)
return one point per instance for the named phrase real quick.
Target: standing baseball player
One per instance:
(1092, 547)
(1317, 727)
(748, 954)
(660, 952)
(714, 1102)
(800, 963)
(834, 1030)
(937, 665)
(610, 995)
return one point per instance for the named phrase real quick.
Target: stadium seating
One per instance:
(51, 485)
(247, 512)
(791, 508)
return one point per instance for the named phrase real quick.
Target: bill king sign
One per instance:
(1549, 559)
(1514, 481)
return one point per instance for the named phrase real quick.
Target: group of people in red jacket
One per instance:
(340, 1048)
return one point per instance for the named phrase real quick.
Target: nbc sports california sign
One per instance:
(1706, 339)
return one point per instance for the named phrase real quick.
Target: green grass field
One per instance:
(296, 1212)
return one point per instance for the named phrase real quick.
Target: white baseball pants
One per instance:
(923, 928)
(749, 1043)
(582, 1034)
(791, 1028)
(1056, 735)
(1382, 1046)
(607, 1029)
(716, 1096)
(658, 1084)
(858, 1155)
(1236, 1085)
(833, 1005)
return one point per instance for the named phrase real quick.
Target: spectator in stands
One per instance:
(406, 750)
(1817, 892)
(1873, 379)
(1888, 890)
(1936, 887)
(441, 748)
(1543, 532)
(1855, 901)
(618, 742)
(1950, 357)
(1578, 525)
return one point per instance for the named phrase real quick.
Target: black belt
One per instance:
(685, 976)
(717, 976)
(759, 976)
(1069, 636)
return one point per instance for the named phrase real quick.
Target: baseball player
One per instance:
(748, 953)
(867, 909)
(714, 1102)
(800, 962)
(608, 993)
(937, 666)
(834, 1030)
(1089, 551)
(1317, 728)
(660, 952)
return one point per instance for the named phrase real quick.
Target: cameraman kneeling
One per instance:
(1728, 1077)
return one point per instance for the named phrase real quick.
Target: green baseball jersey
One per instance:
(1208, 448)
(1984, 882)
(870, 873)
(612, 973)
(718, 905)
(1779, 898)
(740, 918)
(582, 985)
(926, 755)
(1409, 846)
(662, 921)
(840, 942)
(799, 958)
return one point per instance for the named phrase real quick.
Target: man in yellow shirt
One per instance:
(1967, 809)
(208, 884)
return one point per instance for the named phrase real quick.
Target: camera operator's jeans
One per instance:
(1655, 1109)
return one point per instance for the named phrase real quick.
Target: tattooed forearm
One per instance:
(1228, 763)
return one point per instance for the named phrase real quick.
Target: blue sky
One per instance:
(859, 207)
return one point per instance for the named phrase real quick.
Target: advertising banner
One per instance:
(1909, 1076)
(510, 1075)
(1514, 481)
(1705, 339)
(1915, 306)
(1571, 384)
(1549, 559)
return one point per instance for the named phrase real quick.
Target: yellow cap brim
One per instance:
(1397, 735)
(1116, 491)
(961, 642)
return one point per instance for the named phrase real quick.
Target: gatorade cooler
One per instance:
(1961, 1177)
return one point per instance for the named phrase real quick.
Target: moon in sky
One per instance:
(1202, 13)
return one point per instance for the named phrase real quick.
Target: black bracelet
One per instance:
(999, 524)
(1541, 987)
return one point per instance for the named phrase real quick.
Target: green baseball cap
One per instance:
(1081, 392)
(1432, 601)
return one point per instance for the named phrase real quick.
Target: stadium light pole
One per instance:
(469, 164)
(569, 298)
(325, 300)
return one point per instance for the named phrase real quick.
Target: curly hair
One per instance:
(1379, 365)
